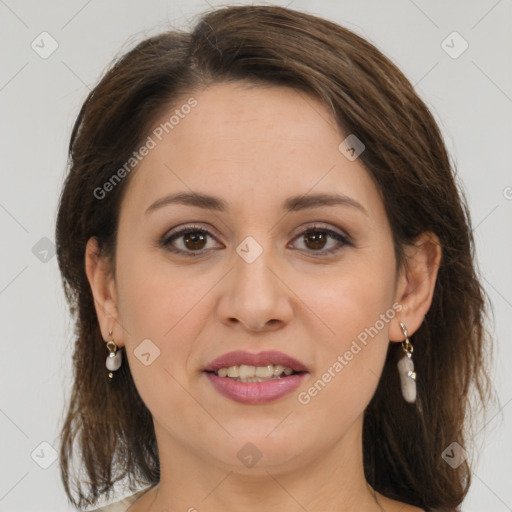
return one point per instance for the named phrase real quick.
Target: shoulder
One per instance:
(122, 505)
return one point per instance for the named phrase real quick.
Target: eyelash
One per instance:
(167, 239)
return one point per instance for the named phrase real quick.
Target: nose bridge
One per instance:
(254, 295)
(251, 264)
(251, 273)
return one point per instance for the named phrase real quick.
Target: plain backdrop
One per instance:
(470, 95)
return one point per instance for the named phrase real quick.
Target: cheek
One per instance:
(159, 303)
(167, 310)
(350, 298)
(355, 306)
(156, 296)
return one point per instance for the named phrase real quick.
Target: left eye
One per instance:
(192, 241)
(316, 239)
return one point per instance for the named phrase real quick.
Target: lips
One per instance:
(254, 393)
(265, 358)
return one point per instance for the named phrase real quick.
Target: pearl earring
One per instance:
(406, 369)
(114, 358)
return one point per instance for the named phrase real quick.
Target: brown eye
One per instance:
(194, 240)
(189, 241)
(315, 239)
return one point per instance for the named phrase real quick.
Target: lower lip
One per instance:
(255, 392)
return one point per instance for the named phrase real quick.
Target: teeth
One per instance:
(265, 371)
(247, 373)
(234, 371)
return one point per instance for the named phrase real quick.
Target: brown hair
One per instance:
(405, 156)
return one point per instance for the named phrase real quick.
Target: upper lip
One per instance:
(265, 358)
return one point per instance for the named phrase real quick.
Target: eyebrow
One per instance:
(291, 204)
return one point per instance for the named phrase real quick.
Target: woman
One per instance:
(271, 270)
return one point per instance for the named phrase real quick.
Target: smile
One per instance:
(255, 378)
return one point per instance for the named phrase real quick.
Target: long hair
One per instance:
(107, 426)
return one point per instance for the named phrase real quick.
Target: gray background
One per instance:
(470, 96)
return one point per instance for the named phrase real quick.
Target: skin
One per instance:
(254, 147)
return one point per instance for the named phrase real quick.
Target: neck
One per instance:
(333, 480)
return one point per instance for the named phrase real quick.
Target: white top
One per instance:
(123, 505)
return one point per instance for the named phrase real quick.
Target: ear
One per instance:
(102, 282)
(416, 283)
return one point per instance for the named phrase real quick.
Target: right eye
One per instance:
(188, 241)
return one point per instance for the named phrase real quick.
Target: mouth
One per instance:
(248, 373)
(242, 365)
(255, 378)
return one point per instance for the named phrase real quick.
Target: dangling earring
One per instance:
(114, 358)
(406, 369)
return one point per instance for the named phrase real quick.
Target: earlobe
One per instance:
(417, 282)
(101, 280)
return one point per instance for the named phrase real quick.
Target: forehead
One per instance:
(253, 146)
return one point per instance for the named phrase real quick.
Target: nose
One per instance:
(255, 295)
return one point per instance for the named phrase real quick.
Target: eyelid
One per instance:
(335, 233)
(338, 234)
(188, 227)
(321, 226)
(178, 232)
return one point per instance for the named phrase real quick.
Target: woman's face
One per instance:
(251, 280)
